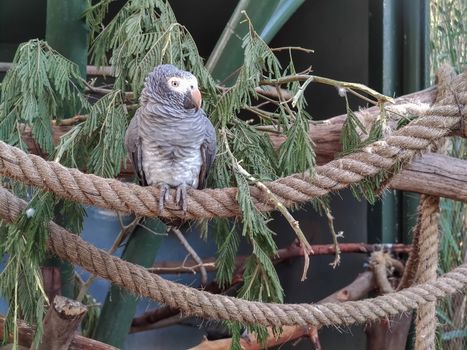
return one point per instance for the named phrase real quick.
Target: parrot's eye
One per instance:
(175, 83)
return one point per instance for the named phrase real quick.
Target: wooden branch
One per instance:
(52, 281)
(358, 289)
(292, 251)
(78, 342)
(60, 323)
(420, 176)
(388, 334)
(90, 70)
(326, 134)
(436, 175)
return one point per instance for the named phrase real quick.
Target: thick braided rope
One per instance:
(190, 301)
(426, 320)
(434, 123)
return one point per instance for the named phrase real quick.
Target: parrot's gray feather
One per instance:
(134, 149)
(208, 153)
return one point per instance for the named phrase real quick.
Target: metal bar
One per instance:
(384, 58)
(66, 32)
(120, 305)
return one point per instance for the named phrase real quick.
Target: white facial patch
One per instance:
(182, 85)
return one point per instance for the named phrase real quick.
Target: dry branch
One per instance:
(388, 334)
(26, 335)
(60, 323)
(358, 289)
(436, 175)
(52, 281)
(90, 70)
(326, 136)
(292, 251)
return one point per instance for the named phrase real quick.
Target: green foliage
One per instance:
(350, 137)
(447, 36)
(258, 59)
(141, 36)
(98, 143)
(38, 87)
(25, 243)
(296, 153)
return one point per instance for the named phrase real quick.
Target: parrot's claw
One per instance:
(180, 197)
(164, 196)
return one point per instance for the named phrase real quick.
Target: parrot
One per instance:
(170, 140)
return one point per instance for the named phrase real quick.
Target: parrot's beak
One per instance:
(196, 98)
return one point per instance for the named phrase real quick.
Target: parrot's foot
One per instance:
(164, 195)
(180, 197)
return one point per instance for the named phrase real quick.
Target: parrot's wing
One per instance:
(208, 152)
(134, 149)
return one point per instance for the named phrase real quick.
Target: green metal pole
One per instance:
(120, 306)
(67, 33)
(384, 57)
(227, 55)
(416, 70)
(281, 15)
(66, 30)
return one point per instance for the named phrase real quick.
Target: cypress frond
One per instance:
(350, 138)
(98, 143)
(228, 240)
(296, 154)
(37, 88)
(25, 243)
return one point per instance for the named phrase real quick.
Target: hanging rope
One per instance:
(191, 301)
(426, 320)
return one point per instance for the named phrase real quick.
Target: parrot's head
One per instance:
(172, 88)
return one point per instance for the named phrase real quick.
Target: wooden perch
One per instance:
(389, 333)
(358, 289)
(52, 281)
(60, 323)
(90, 70)
(420, 176)
(78, 342)
(436, 175)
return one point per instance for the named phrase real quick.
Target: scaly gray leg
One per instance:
(164, 195)
(180, 197)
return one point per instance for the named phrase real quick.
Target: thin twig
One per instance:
(336, 83)
(284, 102)
(71, 121)
(192, 252)
(294, 48)
(355, 93)
(293, 223)
(129, 96)
(337, 254)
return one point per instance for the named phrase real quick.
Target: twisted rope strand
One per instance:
(426, 320)
(198, 303)
(434, 122)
